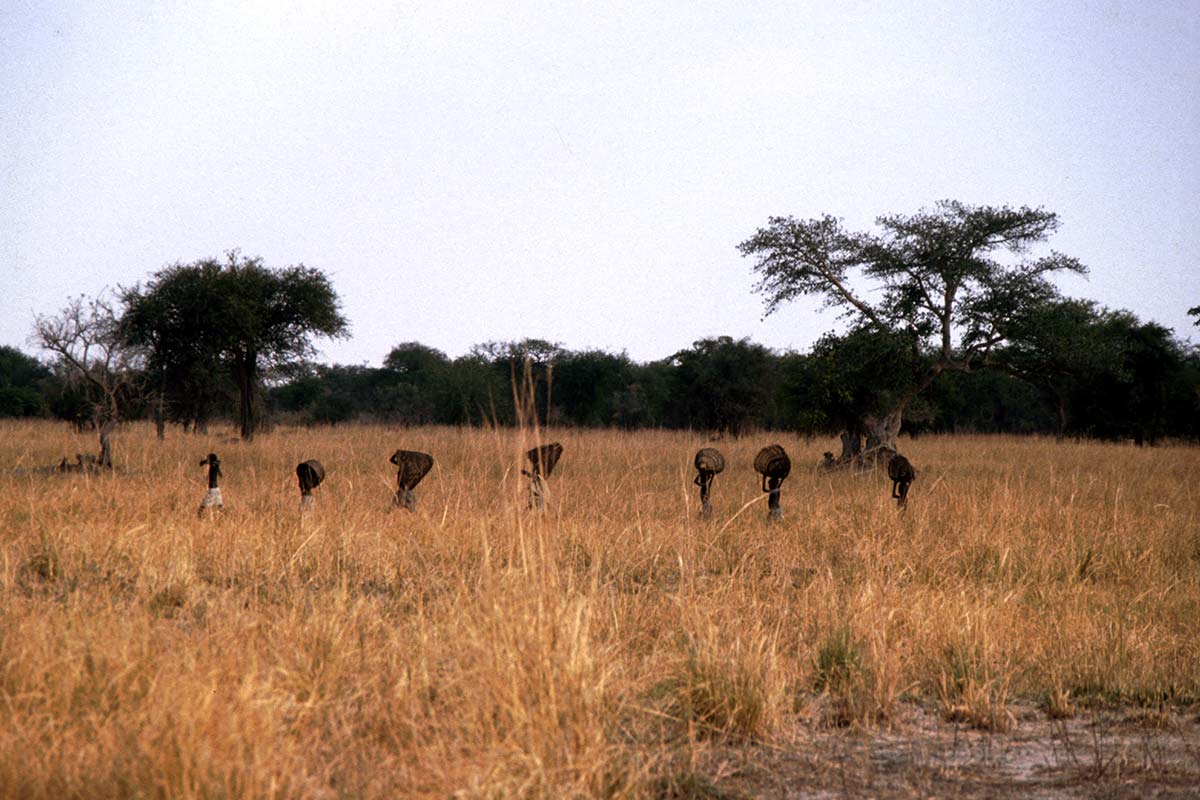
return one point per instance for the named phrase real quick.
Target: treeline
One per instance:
(1132, 380)
(721, 384)
(1150, 390)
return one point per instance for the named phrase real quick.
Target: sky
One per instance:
(581, 172)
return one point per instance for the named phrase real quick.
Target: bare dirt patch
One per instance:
(1101, 754)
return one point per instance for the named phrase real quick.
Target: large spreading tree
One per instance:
(951, 280)
(235, 314)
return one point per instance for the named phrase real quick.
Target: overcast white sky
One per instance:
(580, 172)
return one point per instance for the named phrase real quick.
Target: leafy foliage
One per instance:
(20, 379)
(936, 277)
(861, 374)
(237, 315)
(1152, 388)
(737, 386)
(723, 384)
(199, 338)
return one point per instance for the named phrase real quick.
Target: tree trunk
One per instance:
(851, 445)
(883, 432)
(246, 410)
(160, 422)
(1060, 431)
(105, 457)
(245, 374)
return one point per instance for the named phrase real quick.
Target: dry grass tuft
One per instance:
(861, 682)
(973, 688)
(730, 690)
(1058, 704)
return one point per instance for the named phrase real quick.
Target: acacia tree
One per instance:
(933, 277)
(238, 313)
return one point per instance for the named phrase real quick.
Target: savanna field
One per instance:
(1034, 594)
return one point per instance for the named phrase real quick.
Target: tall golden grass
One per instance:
(476, 648)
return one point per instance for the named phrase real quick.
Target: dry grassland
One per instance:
(616, 646)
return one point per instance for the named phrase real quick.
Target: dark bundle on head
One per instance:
(900, 469)
(709, 462)
(544, 458)
(412, 466)
(709, 459)
(310, 473)
(772, 462)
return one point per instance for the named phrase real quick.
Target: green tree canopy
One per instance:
(1059, 345)
(853, 377)
(237, 313)
(951, 279)
(522, 376)
(417, 385)
(724, 384)
(588, 386)
(1147, 387)
(412, 359)
(21, 379)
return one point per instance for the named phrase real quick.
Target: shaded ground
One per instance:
(1101, 754)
